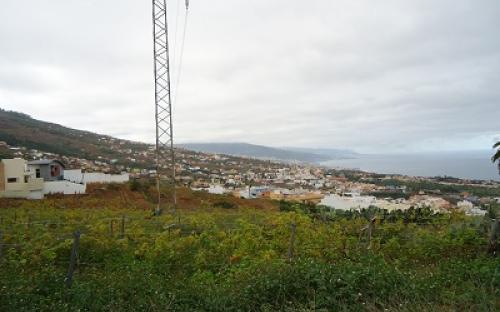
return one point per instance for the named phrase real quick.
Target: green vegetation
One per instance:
(390, 194)
(239, 259)
(496, 156)
(414, 187)
(5, 153)
(19, 129)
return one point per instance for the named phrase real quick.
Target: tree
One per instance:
(496, 157)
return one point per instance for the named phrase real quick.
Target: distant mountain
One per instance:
(18, 129)
(256, 151)
(329, 152)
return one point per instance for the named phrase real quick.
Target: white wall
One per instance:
(73, 175)
(217, 189)
(94, 177)
(35, 195)
(63, 187)
(347, 203)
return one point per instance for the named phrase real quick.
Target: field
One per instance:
(224, 254)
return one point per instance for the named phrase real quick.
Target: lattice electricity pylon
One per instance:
(163, 100)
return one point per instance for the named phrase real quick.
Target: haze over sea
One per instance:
(465, 165)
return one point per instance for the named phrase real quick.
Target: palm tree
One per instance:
(496, 157)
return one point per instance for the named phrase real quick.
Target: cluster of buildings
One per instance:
(220, 174)
(316, 185)
(348, 200)
(34, 179)
(358, 201)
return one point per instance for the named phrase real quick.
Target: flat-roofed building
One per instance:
(17, 181)
(47, 169)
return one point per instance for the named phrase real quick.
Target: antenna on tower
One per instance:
(163, 102)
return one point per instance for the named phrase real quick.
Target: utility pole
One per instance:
(163, 100)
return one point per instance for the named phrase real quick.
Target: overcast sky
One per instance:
(374, 76)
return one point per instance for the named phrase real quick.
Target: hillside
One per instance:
(18, 129)
(331, 153)
(257, 151)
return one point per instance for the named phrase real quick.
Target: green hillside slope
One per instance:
(18, 129)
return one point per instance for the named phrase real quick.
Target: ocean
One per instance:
(465, 165)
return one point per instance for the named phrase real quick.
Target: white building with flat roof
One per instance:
(18, 181)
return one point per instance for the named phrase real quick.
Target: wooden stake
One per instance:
(1, 245)
(122, 230)
(493, 237)
(371, 228)
(73, 258)
(292, 242)
(111, 228)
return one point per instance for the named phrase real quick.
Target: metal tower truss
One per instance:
(165, 156)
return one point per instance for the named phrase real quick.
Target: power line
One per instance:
(177, 14)
(181, 56)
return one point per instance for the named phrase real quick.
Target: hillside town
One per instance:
(33, 174)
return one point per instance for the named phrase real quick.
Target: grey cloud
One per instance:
(373, 76)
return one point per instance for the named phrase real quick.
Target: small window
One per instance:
(54, 171)
(11, 180)
(25, 179)
(38, 173)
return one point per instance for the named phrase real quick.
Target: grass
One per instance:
(235, 258)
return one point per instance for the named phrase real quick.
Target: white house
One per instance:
(465, 205)
(32, 180)
(51, 172)
(18, 181)
(353, 201)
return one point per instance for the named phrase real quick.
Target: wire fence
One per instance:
(16, 233)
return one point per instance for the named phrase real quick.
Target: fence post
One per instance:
(111, 227)
(122, 230)
(1, 245)
(292, 242)
(371, 227)
(73, 258)
(323, 214)
(493, 237)
(369, 232)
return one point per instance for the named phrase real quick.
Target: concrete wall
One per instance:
(35, 195)
(2, 177)
(14, 168)
(73, 175)
(94, 177)
(63, 187)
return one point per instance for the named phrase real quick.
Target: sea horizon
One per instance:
(474, 165)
